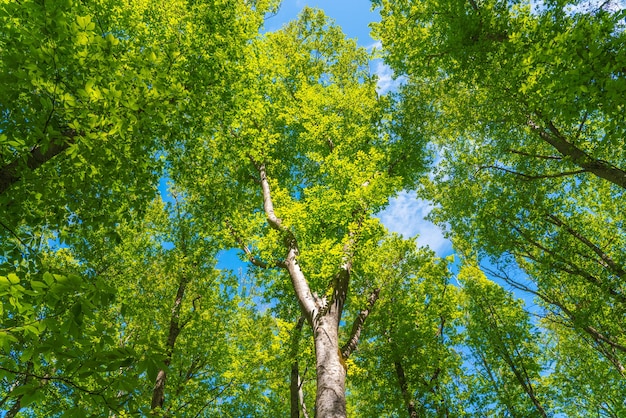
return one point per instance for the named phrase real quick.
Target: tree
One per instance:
(407, 364)
(536, 80)
(93, 95)
(505, 351)
(521, 105)
(278, 146)
(308, 154)
(94, 92)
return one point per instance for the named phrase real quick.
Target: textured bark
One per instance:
(331, 373)
(600, 168)
(323, 317)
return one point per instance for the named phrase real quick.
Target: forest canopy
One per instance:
(141, 142)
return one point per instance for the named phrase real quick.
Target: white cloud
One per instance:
(378, 45)
(386, 79)
(405, 215)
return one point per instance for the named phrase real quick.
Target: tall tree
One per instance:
(407, 364)
(533, 79)
(310, 158)
(91, 96)
(504, 348)
(522, 105)
(92, 93)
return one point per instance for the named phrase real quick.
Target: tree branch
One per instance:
(572, 316)
(56, 378)
(567, 266)
(527, 154)
(308, 303)
(254, 260)
(357, 326)
(533, 177)
(10, 173)
(608, 262)
(600, 168)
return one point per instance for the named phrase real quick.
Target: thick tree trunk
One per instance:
(331, 370)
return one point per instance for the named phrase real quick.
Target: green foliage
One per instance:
(279, 145)
(407, 353)
(522, 106)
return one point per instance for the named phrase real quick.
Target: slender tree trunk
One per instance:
(409, 403)
(295, 386)
(158, 393)
(294, 390)
(507, 354)
(10, 173)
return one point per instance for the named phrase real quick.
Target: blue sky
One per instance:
(352, 15)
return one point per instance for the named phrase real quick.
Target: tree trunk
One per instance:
(323, 317)
(408, 399)
(331, 370)
(158, 393)
(10, 173)
(294, 390)
(295, 387)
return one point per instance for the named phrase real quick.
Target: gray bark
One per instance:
(331, 372)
